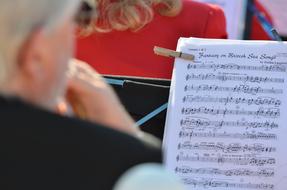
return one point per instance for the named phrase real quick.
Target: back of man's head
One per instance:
(18, 18)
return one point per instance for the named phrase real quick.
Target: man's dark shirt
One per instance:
(41, 150)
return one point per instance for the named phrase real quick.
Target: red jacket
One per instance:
(131, 53)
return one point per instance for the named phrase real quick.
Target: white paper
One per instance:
(235, 11)
(227, 118)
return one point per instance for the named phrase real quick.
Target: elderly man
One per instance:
(39, 149)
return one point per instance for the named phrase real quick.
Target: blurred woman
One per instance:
(126, 32)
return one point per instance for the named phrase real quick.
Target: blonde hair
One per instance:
(18, 18)
(122, 15)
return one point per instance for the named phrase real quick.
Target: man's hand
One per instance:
(93, 99)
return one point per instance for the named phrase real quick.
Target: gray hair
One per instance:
(18, 18)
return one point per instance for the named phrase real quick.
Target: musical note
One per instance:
(242, 161)
(199, 124)
(233, 100)
(235, 67)
(246, 89)
(230, 148)
(254, 136)
(224, 77)
(263, 112)
(224, 184)
(231, 172)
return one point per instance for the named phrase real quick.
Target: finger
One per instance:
(77, 105)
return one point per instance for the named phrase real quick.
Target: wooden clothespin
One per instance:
(171, 53)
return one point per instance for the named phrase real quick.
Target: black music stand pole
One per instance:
(248, 20)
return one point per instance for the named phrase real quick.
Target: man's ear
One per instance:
(31, 57)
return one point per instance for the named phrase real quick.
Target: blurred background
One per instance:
(240, 12)
(278, 11)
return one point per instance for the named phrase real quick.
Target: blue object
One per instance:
(115, 82)
(147, 117)
(152, 114)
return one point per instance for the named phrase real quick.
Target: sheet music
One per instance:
(226, 123)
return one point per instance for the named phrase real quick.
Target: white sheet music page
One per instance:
(227, 117)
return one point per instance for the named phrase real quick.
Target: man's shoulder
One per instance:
(29, 124)
(48, 144)
(107, 137)
(88, 134)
